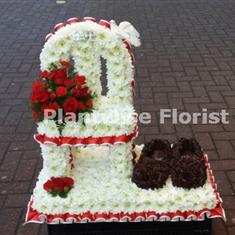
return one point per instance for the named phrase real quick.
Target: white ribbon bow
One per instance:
(126, 31)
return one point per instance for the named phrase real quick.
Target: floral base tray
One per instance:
(97, 196)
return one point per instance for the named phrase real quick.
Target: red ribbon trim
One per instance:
(43, 139)
(102, 22)
(34, 216)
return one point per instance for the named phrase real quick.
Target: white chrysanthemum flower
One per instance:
(55, 160)
(71, 129)
(48, 128)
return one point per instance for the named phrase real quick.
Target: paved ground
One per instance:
(187, 62)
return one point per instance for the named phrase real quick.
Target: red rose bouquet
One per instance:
(60, 88)
(59, 186)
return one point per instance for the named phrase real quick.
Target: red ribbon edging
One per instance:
(43, 139)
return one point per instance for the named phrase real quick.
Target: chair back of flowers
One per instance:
(71, 65)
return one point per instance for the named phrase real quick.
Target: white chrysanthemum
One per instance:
(56, 160)
(48, 128)
(71, 129)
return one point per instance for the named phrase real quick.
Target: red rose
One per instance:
(48, 185)
(59, 74)
(59, 81)
(69, 83)
(52, 105)
(75, 91)
(81, 106)
(36, 116)
(70, 105)
(61, 91)
(40, 95)
(66, 187)
(66, 64)
(58, 184)
(80, 80)
(44, 74)
(89, 104)
(84, 91)
(80, 92)
(53, 96)
(33, 106)
(59, 188)
(38, 84)
(69, 181)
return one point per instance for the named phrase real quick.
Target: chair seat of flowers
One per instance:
(104, 121)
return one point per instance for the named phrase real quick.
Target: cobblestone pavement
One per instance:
(187, 61)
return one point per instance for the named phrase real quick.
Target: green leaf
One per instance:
(63, 194)
(53, 66)
(53, 193)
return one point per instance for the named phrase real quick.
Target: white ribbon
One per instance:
(126, 30)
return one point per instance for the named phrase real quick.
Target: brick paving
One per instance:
(187, 61)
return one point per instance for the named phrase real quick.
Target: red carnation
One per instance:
(70, 105)
(48, 185)
(40, 95)
(66, 64)
(61, 91)
(80, 80)
(69, 83)
(81, 106)
(89, 104)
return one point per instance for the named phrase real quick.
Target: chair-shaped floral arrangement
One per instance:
(86, 138)
(68, 104)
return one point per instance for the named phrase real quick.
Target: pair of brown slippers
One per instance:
(183, 162)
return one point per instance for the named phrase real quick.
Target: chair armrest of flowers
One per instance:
(56, 160)
(121, 160)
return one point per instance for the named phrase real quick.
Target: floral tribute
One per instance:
(60, 186)
(101, 146)
(60, 87)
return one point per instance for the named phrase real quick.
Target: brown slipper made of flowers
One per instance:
(153, 168)
(188, 167)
